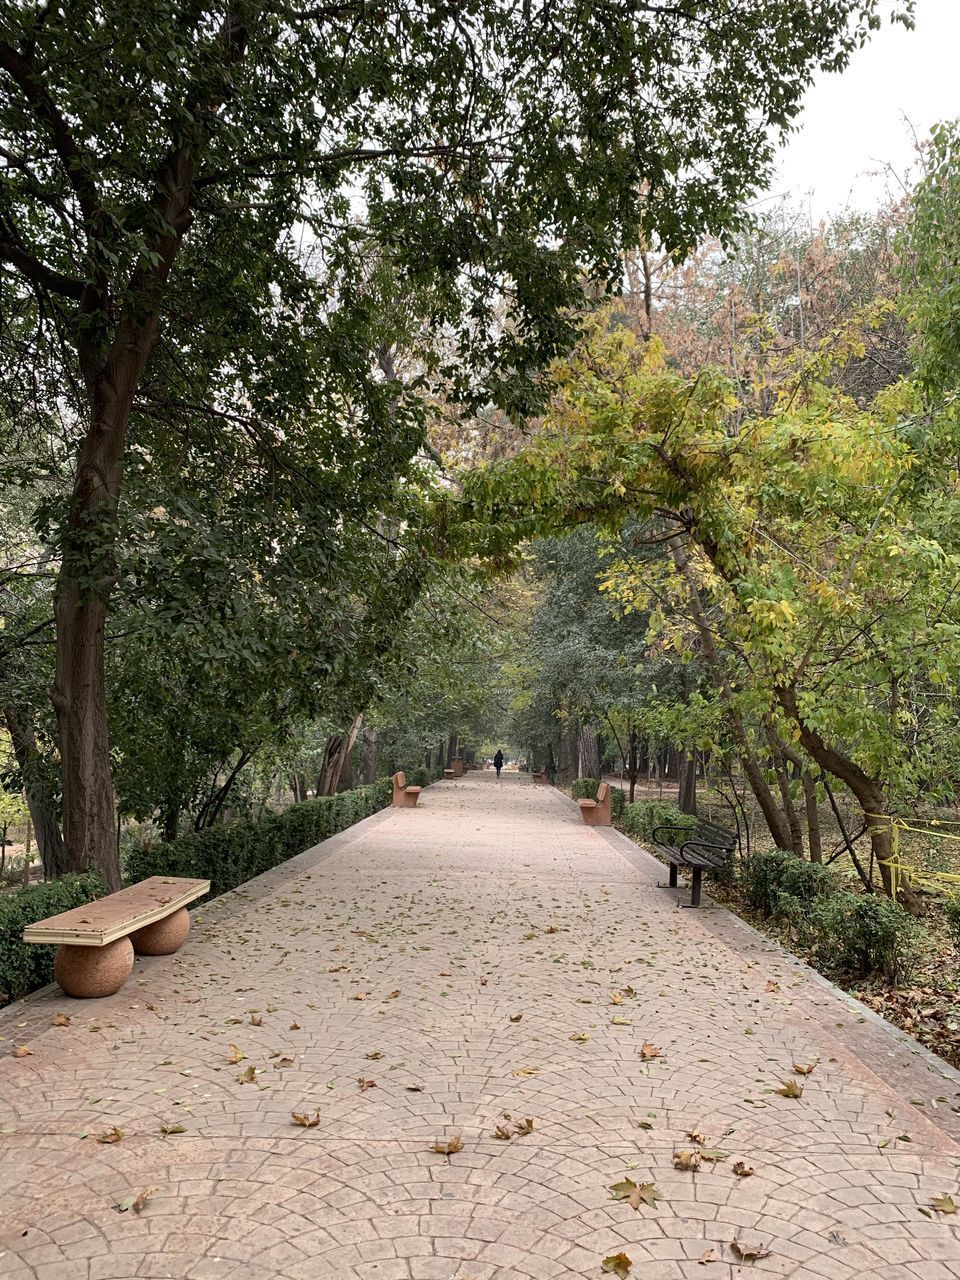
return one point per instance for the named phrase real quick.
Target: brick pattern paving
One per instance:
(512, 963)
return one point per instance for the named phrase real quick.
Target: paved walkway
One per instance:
(448, 971)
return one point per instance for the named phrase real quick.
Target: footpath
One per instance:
(484, 975)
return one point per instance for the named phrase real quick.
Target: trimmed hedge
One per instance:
(855, 932)
(25, 967)
(421, 777)
(640, 818)
(587, 788)
(229, 855)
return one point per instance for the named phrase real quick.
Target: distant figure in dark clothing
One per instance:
(498, 761)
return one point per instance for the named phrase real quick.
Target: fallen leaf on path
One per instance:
(304, 1120)
(649, 1050)
(21, 1051)
(944, 1204)
(749, 1252)
(709, 1256)
(502, 1133)
(804, 1068)
(61, 1020)
(248, 1077)
(393, 994)
(516, 1017)
(366, 1084)
(714, 1154)
(168, 1129)
(618, 1020)
(696, 1136)
(636, 1193)
(790, 1089)
(524, 1127)
(375, 1056)
(111, 1136)
(618, 1264)
(136, 1202)
(448, 1146)
(522, 1073)
(360, 995)
(235, 1055)
(687, 1161)
(616, 997)
(580, 1037)
(282, 1064)
(772, 986)
(743, 1170)
(256, 1020)
(294, 1026)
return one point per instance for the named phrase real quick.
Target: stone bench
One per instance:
(596, 813)
(541, 776)
(404, 797)
(96, 942)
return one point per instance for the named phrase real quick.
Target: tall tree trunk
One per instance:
(40, 802)
(774, 818)
(814, 838)
(451, 750)
(633, 763)
(551, 762)
(335, 752)
(569, 750)
(687, 797)
(589, 752)
(778, 756)
(371, 746)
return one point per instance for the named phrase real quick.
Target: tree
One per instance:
(156, 165)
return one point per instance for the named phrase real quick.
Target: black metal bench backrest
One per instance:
(704, 834)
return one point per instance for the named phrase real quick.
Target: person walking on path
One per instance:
(498, 761)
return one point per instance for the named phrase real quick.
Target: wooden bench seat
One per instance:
(404, 797)
(700, 848)
(597, 813)
(96, 942)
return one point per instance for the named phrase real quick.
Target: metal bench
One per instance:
(705, 848)
(96, 942)
(597, 813)
(404, 797)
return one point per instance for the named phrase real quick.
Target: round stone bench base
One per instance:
(163, 937)
(90, 972)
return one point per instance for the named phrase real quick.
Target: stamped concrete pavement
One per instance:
(445, 973)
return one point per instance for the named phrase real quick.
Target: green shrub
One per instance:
(952, 910)
(229, 855)
(420, 777)
(865, 933)
(26, 966)
(777, 883)
(640, 818)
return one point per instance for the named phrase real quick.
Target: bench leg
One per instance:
(695, 886)
(163, 937)
(673, 875)
(91, 972)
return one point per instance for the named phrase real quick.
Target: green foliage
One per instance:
(773, 881)
(640, 818)
(421, 777)
(951, 909)
(855, 932)
(25, 967)
(229, 855)
(865, 934)
(587, 788)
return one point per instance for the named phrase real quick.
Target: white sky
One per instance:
(854, 124)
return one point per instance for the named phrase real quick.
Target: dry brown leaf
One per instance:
(749, 1252)
(944, 1204)
(375, 1056)
(234, 1054)
(523, 1127)
(248, 1077)
(448, 1146)
(168, 1129)
(523, 1073)
(110, 1137)
(294, 1026)
(61, 1020)
(516, 1017)
(142, 1199)
(636, 1193)
(304, 1120)
(393, 994)
(360, 995)
(743, 1170)
(580, 1037)
(21, 1051)
(617, 1264)
(616, 997)
(772, 986)
(687, 1161)
(336, 968)
(256, 1020)
(649, 1050)
(707, 1256)
(790, 1089)
(366, 1084)
(696, 1136)
(282, 1063)
(502, 1133)
(804, 1068)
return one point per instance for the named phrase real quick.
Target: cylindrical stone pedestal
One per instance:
(89, 972)
(163, 937)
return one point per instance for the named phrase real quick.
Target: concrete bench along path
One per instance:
(451, 972)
